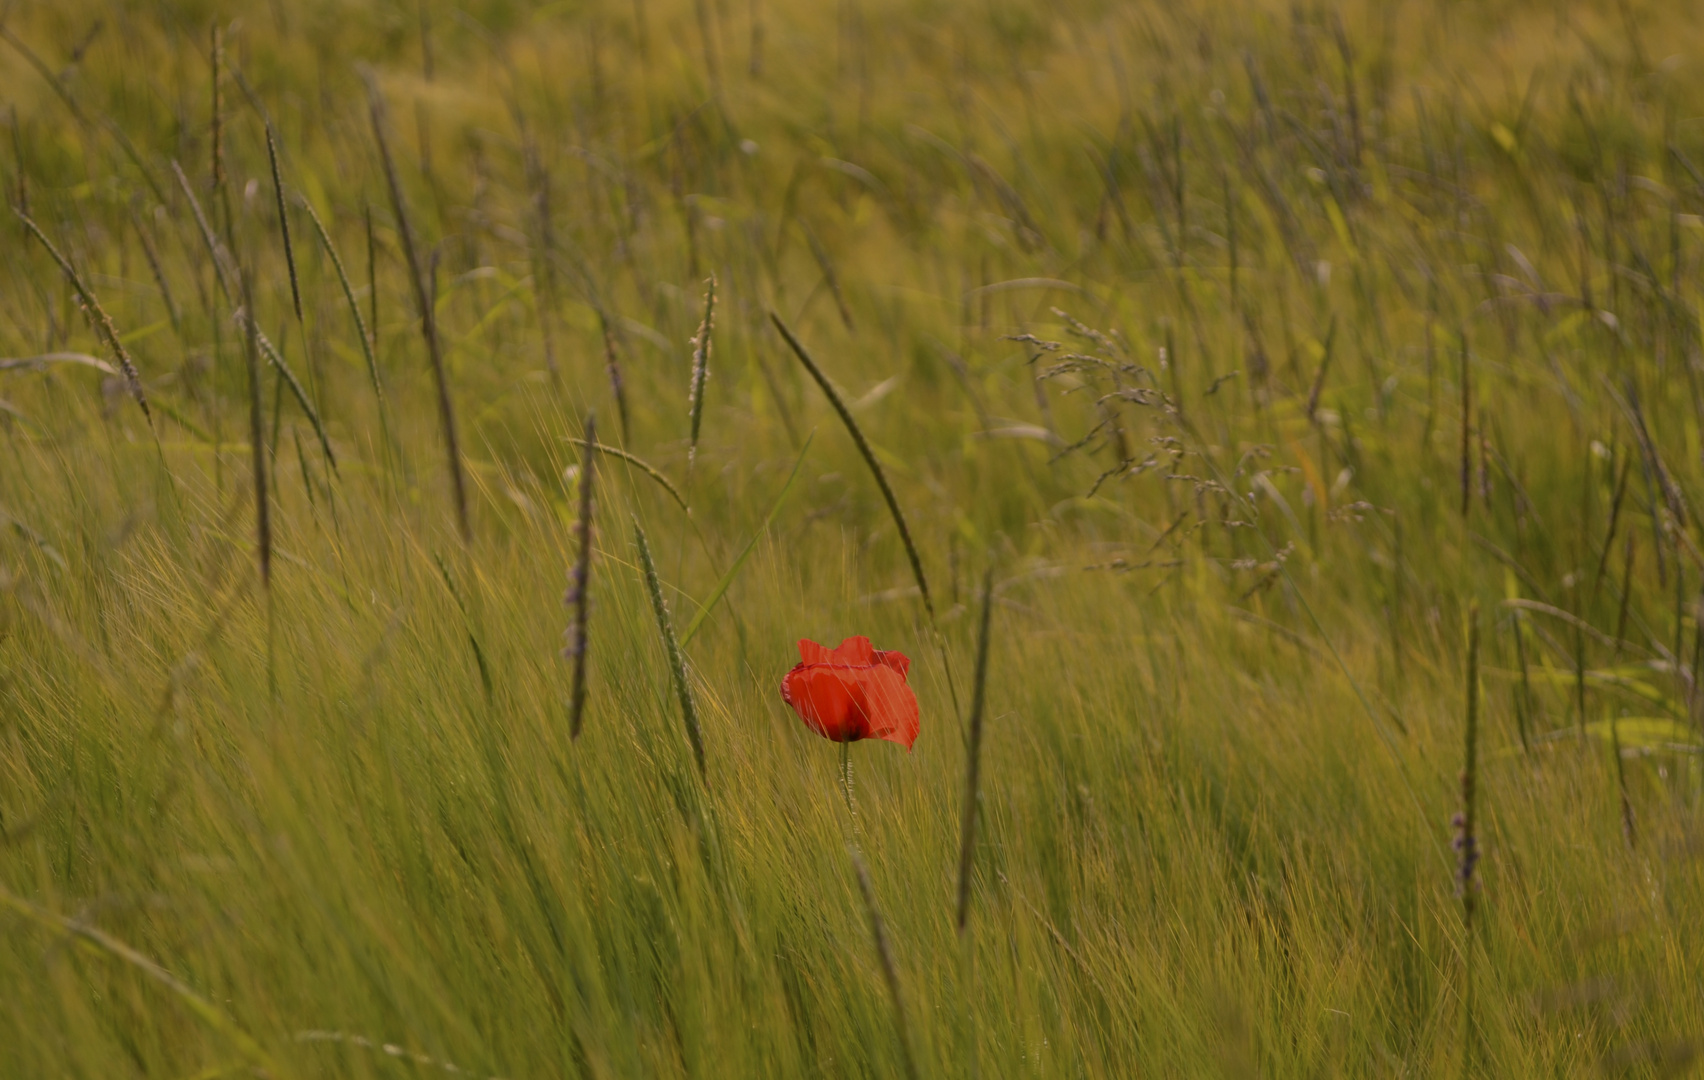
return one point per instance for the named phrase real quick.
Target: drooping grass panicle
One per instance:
(578, 598)
(99, 321)
(700, 369)
(638, 462)
(868, 454)
(973, 758)
(257, 440)
(677, 663)
(225, 274)
(890, 969)
(423, 299)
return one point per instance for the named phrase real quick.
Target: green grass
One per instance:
(282, 829)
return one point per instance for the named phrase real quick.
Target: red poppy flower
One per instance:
(853, 692)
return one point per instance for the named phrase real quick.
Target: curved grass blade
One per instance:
(869, 459)
(633, 459)
(745, 552)
(677, 664)
(354, 305)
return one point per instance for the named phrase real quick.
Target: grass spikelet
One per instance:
(428, 320)
(890, 970)
(869, 456)
(700, 369)
(99, 321)
(579, 580)
(257, 443)
(677, 663)
(973, 759)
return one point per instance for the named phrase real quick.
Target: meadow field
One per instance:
(1274, 433)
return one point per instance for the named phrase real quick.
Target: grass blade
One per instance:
(745, 552)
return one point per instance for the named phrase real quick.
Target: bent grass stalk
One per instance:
(428, 318)
(579, 580)
(354, 311)
(869, 456)
(230, 288)
(677, 663)
(99, 321)
(257, 448)
(638, 462)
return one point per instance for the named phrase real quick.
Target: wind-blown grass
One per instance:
(1198, 320)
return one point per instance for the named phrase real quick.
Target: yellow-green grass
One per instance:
(284, 830)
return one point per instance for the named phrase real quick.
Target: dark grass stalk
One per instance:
(580, 578)
(890, 970)
(638, 462)
(231, 289)
(372, 274)
(216, 59)
(612, 368)
(152, 255)
(1614, 520)
(973, 760)
(826, 265)
(1523, 698)
(428, 319)
(257, 444)
(99, 321)
(677, 663)
(869, 456)
(354, 307)
(486, 684)
(1628, 830)
(1466, 841)
(1466, 429)
(1319, 376)
(284, 228)
(1626, 592)
(700, 372)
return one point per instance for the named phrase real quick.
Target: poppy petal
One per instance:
(886, 706)
(824, 701)
(855, 651)
(894, 659)
(812, 653)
